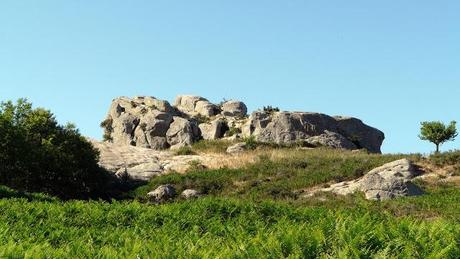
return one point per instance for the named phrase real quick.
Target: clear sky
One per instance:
(391, 63)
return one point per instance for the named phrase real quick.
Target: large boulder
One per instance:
(389, 181)
(234, 108)
(195, 105)
(213, 130)
(182, 132)
(293, 127)
(360, 134)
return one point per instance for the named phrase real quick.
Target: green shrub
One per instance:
(108, 129)
(232, 131)
(39, 155)
(270, 109)
(251, 142)
(201, 119)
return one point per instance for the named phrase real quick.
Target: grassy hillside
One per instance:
(251, 210)
(272, 173)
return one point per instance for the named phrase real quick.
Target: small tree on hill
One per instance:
(437, 132)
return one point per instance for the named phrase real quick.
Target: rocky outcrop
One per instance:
(313, 128)
(152, 123)
(389, 181)
(148, 122)
(141, 121)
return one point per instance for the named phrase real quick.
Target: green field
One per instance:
(252, 219)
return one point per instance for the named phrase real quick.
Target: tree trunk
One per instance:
(437, 148)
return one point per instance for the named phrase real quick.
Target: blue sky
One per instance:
(390, 63)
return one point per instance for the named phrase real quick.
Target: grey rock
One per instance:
(287, 127)
(162, 193)
(291, 127)
(195, 105)
(160, 105)
(139, 173)
(362, 135)
(234, 109)
(213, 130)
(190, 194)
(331, 139)
(206, 109)
(237, 148)
(182, 132)
(123, 129)
(389, 181)
(132, 164)
(133, 122)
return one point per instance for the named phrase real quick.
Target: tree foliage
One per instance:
(437, 132)
(39, 155)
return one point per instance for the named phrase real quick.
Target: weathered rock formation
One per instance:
(314, 129)
(152, 123)
(389, 181)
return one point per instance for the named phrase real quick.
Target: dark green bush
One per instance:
(270, 109)
(39, 155)
(251, 142)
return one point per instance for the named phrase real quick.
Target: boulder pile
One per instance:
(148, 122)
